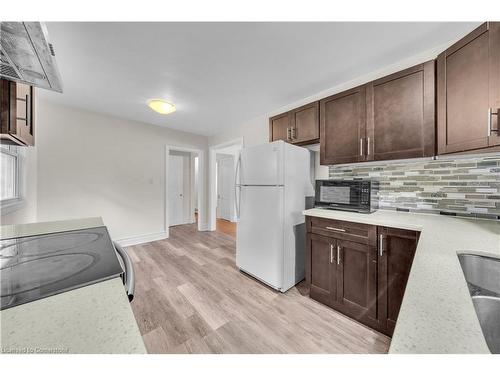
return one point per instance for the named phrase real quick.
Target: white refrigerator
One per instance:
(272, 182)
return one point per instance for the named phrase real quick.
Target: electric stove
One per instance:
(40, 266)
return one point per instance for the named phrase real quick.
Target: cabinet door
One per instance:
(396, 249)
(357, 281)
(467, 88)
(25, 114)
(279, 128)
(305, 123)
(343, 126)
(7, 107)
(322, 268)
(401, 114)
(494, 39)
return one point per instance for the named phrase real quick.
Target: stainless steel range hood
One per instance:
(26, 55)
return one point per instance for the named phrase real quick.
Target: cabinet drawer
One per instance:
(344, 230)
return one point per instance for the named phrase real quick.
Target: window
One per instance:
(10, 178)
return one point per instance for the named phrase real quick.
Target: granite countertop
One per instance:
(437, 315)
(92, 319)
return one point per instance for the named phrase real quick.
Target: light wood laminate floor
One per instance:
(191, 298)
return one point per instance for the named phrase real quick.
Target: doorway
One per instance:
(223, 163)
(225, 187)
(183, 195)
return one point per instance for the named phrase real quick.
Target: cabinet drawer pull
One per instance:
(338, 255)
(368, 146)
(331, 253)
(336, 229)
(381, 245)
(361, 147)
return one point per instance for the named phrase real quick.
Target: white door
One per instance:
(259, 240)
(175, 190)
(225, 187)
(262, 164)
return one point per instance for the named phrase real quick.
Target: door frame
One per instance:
(212, 151)
(201, 183)
(232, 159)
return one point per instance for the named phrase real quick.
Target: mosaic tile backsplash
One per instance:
(462, 187)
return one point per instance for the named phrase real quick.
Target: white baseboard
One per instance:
(143, 238)
(203, 227)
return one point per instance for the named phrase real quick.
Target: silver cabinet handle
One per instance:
(288, 134)
(338, 254)
(331, 253)
(335, 229)
(361, 147)
(368, 146)
(491, 113)
(293, 132)
(381, 245)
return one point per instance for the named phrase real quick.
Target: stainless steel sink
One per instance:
(482, 274)
(488, 312)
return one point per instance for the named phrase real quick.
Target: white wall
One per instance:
(256, 131)
(91, 164)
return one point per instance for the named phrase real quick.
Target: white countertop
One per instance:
(92, 319)
(437, 315)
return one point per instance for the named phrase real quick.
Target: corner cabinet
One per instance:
(299, 126)
(359, 270)
(17, 120)
(468, 92)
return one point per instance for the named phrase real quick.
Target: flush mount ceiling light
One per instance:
(161, 106)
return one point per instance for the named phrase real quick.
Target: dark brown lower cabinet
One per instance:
(361, 278)
(323, 285)
(396, 251)
(357, 281)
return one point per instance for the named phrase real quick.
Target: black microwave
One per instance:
(347, 195)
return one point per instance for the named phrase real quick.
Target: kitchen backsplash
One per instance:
(463, 187)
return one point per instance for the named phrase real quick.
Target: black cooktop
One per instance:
(40, 266)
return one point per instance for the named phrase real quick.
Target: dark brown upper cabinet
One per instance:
(401, 114)
(299, 126)
(304, 124)
(468, 92)
(343, 127)
(17, 113)
(279, 128)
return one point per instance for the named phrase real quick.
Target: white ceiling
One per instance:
(222, 74)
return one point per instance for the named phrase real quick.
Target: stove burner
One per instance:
(41, 272)
(46, 244)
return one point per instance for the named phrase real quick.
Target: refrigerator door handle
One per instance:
(237, 187)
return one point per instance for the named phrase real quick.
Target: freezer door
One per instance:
(262, 164)
(259, 243)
